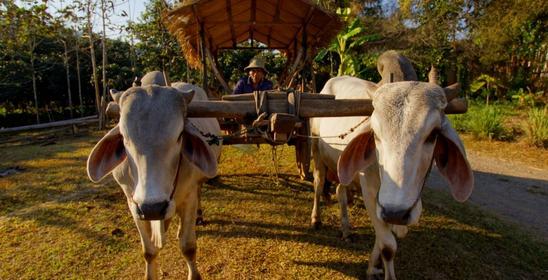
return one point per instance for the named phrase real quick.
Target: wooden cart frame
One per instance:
(298, 29)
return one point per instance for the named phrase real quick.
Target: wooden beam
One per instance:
(216, 72)
(251, 48)
(312, 108)
(231, 20)
(253, 19)
(304, 23)
(248, 22)
(275, 95)
(84, 120)
(276, 19)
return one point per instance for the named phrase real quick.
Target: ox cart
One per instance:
(298, 29)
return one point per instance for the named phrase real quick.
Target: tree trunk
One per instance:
(68, 79)
(102, 120)
(93, 62)
(79, 80)
(34, 88)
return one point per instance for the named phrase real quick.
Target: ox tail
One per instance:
(158, 236)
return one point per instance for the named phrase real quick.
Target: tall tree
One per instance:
(158, 49)
(29, 29)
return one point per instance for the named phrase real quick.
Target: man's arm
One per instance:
(239, 87)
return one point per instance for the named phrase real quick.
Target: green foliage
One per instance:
(536, 127)
(483, 122)
(346, 42)
(523, 98)
(156, 48)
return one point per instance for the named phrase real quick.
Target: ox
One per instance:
(390, 155)
(392, 67)
(159, 158)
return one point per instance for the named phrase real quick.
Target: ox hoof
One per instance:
(375, 274)
(200, 221)
(316, 225)
(350, 238)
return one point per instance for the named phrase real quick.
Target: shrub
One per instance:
(536, 127)
(486, 122)
(483, 122)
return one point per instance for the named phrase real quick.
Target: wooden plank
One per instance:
(275, 95)
(231, 19)
(312, 108)
(84, 120)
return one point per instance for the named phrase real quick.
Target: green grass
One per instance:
(483, 122)
(55, 224)
(536, 127)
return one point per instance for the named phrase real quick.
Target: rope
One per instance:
(341, 136)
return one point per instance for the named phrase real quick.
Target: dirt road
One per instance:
(515, 192)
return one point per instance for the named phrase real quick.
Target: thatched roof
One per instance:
(278, 24)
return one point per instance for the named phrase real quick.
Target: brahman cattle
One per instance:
(159, 158)
(390, 155)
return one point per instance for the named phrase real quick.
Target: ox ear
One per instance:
(358, 154)
(108, 153)
(187, 95)
(452, 163)
(198, 151)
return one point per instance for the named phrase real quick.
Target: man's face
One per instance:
(256, 75)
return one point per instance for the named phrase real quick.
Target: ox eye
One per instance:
(432, 137)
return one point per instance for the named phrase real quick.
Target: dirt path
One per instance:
(515, 192)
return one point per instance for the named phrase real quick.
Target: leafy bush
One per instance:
(536, 127)
(483, 122)
(487, 123)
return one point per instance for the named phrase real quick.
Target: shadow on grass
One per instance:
(262, 184)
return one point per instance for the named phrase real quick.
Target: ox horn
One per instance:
(115, 94)
(452, 91)
(136, 82)
(166, 78)
(433, 77)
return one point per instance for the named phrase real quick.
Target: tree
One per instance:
(157, 48)
(29, 28)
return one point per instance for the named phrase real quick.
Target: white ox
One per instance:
(390, 155)
(159, 158)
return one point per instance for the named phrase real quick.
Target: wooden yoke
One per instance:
(311, 106)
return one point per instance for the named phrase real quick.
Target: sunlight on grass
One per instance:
(56, 224)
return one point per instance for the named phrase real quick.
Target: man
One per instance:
(256, 80)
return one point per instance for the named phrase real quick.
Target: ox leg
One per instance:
(150, 252)
(319, 180)
(343, 205)
(385, 243)
(200, 217)
(187, 234)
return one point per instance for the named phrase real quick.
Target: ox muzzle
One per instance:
(394, 215)
(152, 211)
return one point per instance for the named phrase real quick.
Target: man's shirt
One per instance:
(245, 85)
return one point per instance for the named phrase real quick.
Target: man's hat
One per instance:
(256, 63)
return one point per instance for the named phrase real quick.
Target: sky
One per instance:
(132, 8)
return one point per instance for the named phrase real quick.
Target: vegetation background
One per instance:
(56, 64)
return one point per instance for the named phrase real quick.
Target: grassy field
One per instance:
(56, 224)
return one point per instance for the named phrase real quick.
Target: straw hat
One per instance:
(256, 63)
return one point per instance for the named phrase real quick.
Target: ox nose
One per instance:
(396, 216)
(152, 211)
